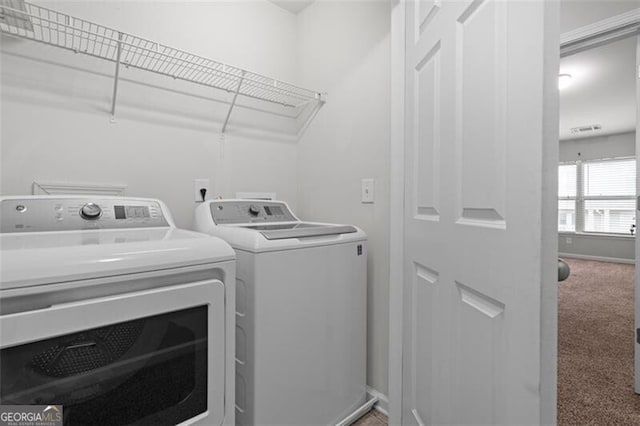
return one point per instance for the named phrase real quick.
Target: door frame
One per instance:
(583, 38)
(600, 33)
(396, 203)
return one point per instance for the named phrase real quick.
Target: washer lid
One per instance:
(300, 230)
(259, 226)
(37, 258)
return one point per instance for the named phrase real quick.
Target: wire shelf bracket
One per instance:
(233, 103)
(115, 79)
(28, 21)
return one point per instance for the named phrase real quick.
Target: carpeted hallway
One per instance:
(595, 345)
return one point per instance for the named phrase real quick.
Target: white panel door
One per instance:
(475, 149)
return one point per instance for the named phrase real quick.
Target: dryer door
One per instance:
(153, 357)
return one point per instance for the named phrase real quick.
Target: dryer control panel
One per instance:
(41, 214)
(225, 212)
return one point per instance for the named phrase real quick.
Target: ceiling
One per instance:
(578, 13)
(603, 90)
(603, 84)
(293, 6)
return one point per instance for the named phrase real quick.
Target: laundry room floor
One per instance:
(373, 418)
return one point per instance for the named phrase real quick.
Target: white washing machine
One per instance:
(301, 313)
(110, 311)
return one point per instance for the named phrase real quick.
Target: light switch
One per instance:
(368, 190)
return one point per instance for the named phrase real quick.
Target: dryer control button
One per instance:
(254, 210)
(90, 211)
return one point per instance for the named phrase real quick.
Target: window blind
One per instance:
(597, 196)
(609, 188)
(609, 178)
(567, 190)
(567, 182)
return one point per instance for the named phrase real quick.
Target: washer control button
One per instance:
(90, 211)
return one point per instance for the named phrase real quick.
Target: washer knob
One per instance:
(90, 211)
(254, 210)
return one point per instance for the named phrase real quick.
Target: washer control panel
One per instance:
(247, 211)
(68, 214)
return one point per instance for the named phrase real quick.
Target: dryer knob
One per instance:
(254, 210)
(90, 211)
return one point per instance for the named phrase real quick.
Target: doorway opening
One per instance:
(597, 177)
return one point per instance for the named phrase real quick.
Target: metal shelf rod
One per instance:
(115, 80)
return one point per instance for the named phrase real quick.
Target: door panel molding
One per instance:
(483, 303)
(481, 132)
(426, 125)
(422, 314)
(427, 11)
(487, 218)
(483, 320)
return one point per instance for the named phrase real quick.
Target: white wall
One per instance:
(55, 118)
(55, 107)
(344, 49)
(612, 146)
(619, 248)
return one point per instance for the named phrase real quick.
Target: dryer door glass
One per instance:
(150, 370)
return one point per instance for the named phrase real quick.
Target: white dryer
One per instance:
(301, 313)
(109, 310)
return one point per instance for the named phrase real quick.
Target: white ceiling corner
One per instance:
(293, 6)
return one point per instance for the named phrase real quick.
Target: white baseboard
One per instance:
(383, 401)
(358, 413)
(600, 258)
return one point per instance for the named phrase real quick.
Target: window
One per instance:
(567, 197)
(597, 196)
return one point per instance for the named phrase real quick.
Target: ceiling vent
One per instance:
(584, 130)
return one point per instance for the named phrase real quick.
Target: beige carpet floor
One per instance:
(595, 345)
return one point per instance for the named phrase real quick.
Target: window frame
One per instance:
(580, 198)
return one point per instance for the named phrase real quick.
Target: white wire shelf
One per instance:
(29, 21)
